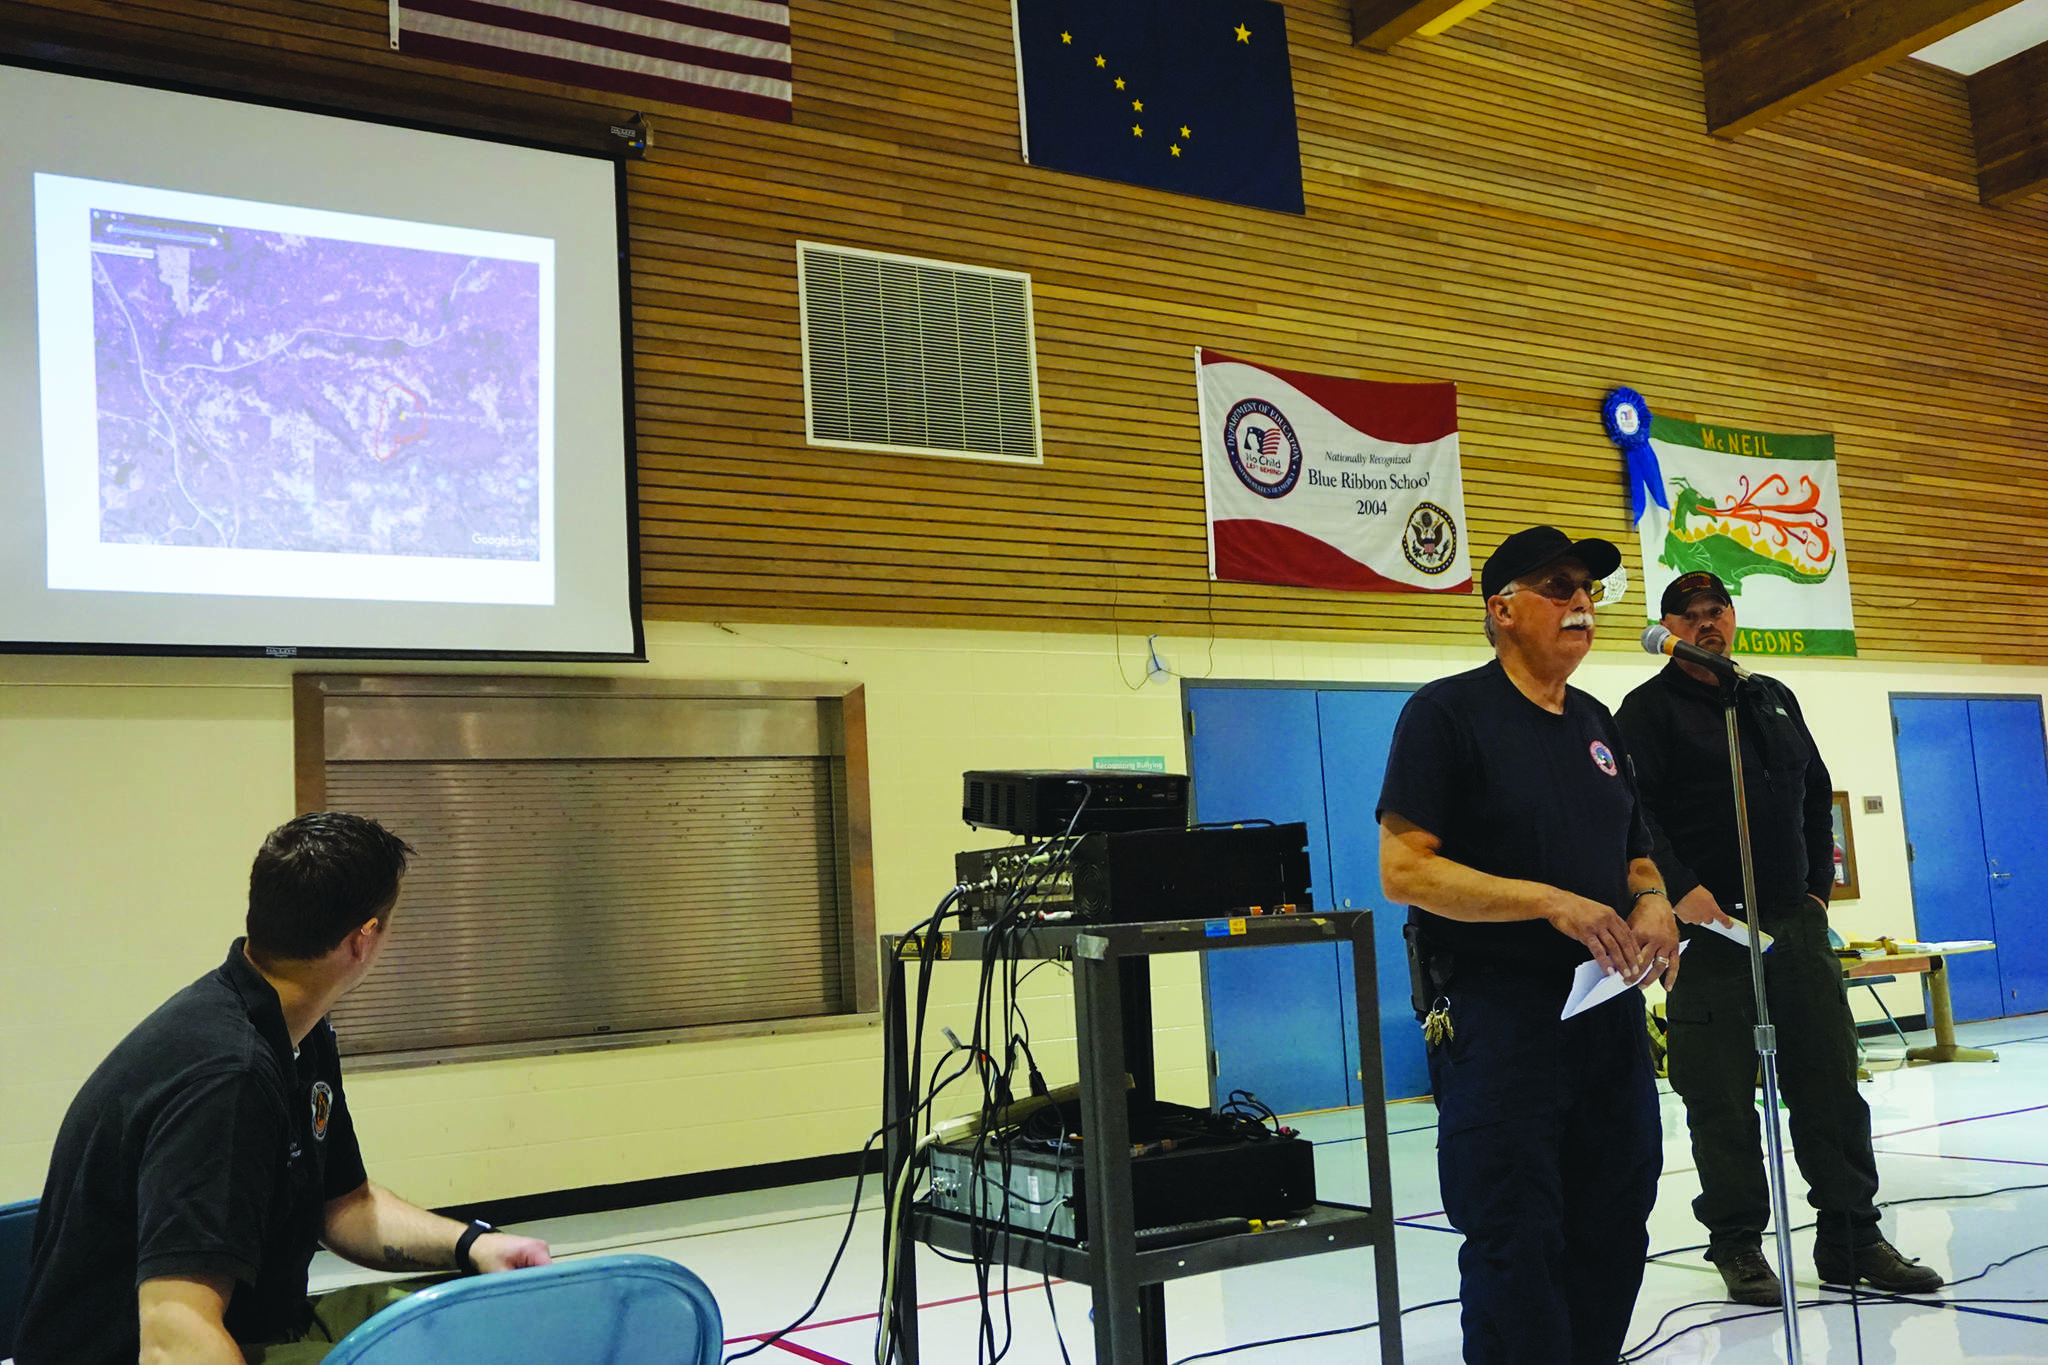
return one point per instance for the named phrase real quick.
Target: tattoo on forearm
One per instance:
(396, 1258)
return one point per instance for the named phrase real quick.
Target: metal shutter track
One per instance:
(568, 899)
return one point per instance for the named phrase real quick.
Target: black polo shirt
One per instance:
(1678, 731)
(200, 1146)
(1514, 790)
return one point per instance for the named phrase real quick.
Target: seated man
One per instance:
(212, 1150)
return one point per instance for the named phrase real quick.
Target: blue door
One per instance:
(2012, 794)
(1281, 1020)
(1973, 783)
(1275, 1027)
(1357, 732)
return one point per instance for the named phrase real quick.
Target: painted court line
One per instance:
(1413, 1221)
(1958, 1156)
(1950, 1123)
(806, 1353)
(1033, 1287)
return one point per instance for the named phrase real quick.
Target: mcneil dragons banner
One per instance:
(1331, 483)
(1762, 510)
(1192, 96)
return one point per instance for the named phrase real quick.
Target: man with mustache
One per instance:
(1510, 826)
(1677, 732)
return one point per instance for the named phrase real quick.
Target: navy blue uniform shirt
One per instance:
(1514, 790)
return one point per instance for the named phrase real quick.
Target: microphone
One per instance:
(1658, 640)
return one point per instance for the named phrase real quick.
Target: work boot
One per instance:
(1748, 1275)
(1877, 1264)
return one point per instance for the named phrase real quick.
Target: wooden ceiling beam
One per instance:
(1379, 24)
(1762, 58)
(2009, 111)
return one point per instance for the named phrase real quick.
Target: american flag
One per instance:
(715, 54)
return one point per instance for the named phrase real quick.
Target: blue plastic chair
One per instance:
(607, 1310)
(17, 1231)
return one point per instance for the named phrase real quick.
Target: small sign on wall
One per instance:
(1132, 763)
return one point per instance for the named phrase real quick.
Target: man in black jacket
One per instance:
(1676, 732)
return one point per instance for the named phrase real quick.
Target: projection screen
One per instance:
(289, 383)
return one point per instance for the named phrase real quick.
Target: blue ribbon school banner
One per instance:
(1191, 96)
(1321, 482)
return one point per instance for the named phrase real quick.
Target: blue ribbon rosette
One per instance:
(1627, 419)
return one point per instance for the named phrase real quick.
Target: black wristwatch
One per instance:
(477, 1228)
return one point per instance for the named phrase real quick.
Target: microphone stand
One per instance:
(1766, 1033)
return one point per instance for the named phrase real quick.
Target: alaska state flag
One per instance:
(1192, 96)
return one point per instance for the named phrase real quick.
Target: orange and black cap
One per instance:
(1680, 592)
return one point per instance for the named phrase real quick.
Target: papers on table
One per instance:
(1735, 931)
(1591, 986)
(1911, 948)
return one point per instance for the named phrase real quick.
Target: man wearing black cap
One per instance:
(1510, 825)
(1677, 732)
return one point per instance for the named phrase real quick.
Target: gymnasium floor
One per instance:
(1944, 1134)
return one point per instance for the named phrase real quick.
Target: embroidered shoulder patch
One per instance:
(323, 1109)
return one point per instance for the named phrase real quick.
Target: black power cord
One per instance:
(1855, 1300)
(852, 1216)
(997, 1014)
(925, 933)
(1640, 1351)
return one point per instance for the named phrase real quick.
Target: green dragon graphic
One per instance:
(1788, 538)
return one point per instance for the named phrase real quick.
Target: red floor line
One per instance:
(1945, 1123)
(1034, 1285)
(1958, 1156)
(806, 1353)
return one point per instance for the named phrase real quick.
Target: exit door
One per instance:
(1281, 1020)
(1973, 784)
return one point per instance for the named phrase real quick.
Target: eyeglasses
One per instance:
(1561, 587)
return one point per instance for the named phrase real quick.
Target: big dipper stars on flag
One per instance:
(1192, 96)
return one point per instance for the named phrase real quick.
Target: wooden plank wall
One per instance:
(1528, 205)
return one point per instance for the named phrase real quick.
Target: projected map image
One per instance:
(265, 390)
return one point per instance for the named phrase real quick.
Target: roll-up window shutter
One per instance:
(566, 891)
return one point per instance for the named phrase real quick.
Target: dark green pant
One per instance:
(1713, 1063)
(335, 1315)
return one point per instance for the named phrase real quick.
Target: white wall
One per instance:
(133, 793)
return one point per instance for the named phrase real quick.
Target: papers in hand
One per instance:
(1591, 986)
(1735, 931)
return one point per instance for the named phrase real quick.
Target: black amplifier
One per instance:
(1042, 1189)
(1152, 874)
(1039, 803)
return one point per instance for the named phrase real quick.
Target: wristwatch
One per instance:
(477, 1228)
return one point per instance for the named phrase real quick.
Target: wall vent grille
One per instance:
(918, 357)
